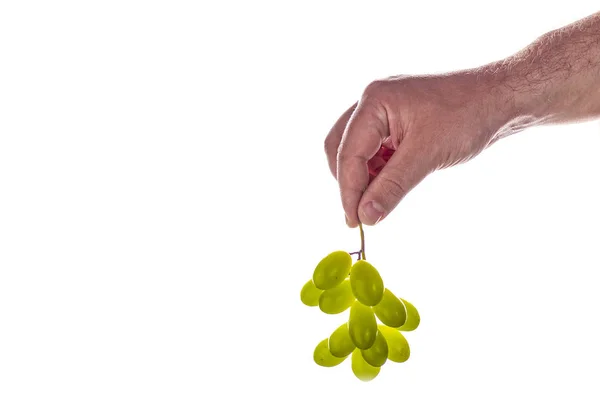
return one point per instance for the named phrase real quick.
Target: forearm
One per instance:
(556, 79)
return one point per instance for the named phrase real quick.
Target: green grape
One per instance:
(362, 369)
(332, 270)
(390, 310)
(337, 299)
(362, 325)
(377, 354)
(366, 282)
(340, 343)
(398, 348)
(310, 294)
(413, 319)
(324, 358)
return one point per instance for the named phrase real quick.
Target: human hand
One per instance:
(403, 128)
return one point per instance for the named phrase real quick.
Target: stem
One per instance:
(362, 241)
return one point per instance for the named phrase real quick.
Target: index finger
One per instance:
(362, 138)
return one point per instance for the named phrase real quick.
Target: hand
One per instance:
(403, 128)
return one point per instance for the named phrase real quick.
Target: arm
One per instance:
(554, 80)
(404, 128)
(557, 78)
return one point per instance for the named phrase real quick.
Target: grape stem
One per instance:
(362, 243)
(356, 252)
(361, 252)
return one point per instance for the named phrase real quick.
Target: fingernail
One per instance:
(345, 216)
(374, 212)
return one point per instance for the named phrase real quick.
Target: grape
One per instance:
(373, 333)
(413, 319)
(362, 369)
(377, 354)
(332, 270)
(390, 310)
(366, 282)
(337, 299)
(398, 348)
(310, 294)
(362, 325)
(340, 343)
(323, 357)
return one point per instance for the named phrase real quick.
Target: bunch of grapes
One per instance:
(372, 335)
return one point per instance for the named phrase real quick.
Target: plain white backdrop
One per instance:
(164, 196)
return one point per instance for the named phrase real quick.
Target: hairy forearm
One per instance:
(557, 78)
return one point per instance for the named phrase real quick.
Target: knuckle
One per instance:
(375, 89)
(342, 158)
(345, 157)
(377, 96)
(392, 187)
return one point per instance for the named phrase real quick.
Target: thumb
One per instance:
(406, 169)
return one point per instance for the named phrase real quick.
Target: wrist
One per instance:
(502, 108)
(513, 103)
(530, 93)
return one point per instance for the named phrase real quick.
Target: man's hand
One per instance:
(403, 128)
(423, 123)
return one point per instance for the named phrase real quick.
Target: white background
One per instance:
(164, 196)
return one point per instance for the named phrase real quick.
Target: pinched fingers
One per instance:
(364, 134)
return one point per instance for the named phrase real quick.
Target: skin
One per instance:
(436, 121)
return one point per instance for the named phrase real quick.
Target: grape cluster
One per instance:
(372, 334)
